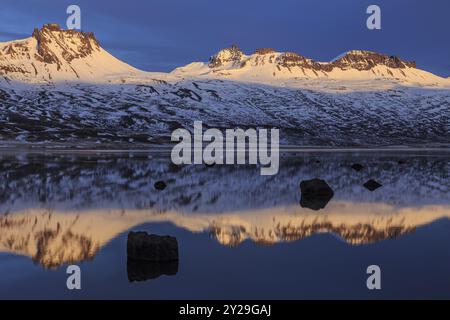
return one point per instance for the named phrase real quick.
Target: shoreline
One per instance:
(166, 148)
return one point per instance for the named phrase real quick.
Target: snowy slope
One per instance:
(61, 86)
(328, 113)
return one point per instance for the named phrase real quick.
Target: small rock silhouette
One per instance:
(316, 194)
(150, 247)
(160, 185)
(372, 185)
(142, 270)
(357, 167)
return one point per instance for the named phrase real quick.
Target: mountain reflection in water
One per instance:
(60, 208)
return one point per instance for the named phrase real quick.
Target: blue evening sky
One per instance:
(159, 35)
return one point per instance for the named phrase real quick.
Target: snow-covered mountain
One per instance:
(52, 54)
(269, 66)
(61, 86)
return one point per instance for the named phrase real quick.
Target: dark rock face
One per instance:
(316, 194)
(142, 270)
(372, 185)
(52, 26)
(160, 185)
(263, 51)
(290, 59)
(357, 167)
(186, 93)
(51, 33)
(366, 60)
(142, 246)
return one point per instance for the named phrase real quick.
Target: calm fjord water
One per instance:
(240, 234)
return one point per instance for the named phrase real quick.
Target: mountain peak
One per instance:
(231, 56)
(366, 60)
(270, 66)
(51, 27)
(52, 53)
(264, 51)
(360, 60)
(54, 42)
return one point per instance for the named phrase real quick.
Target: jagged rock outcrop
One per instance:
(263, 51)
(229, 56)
(53, 43)
(290, 59)
(366, 60)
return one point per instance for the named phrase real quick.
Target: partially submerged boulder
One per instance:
(150, 247)
(316, 194)
(142, 270)
(357, 167)
(160, 185)
(372, 185)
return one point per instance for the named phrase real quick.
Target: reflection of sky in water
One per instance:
(59, 210)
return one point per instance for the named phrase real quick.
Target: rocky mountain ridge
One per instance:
(53, 55)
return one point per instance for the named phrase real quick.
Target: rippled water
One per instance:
(240, 235)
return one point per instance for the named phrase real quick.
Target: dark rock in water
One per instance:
(401, 161)
(316, 194)
(142, 246)
(357, 167)
(317, 161)
(142, 270)
(372, 185)
(160, 185)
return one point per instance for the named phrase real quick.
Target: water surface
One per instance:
(240, 234)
